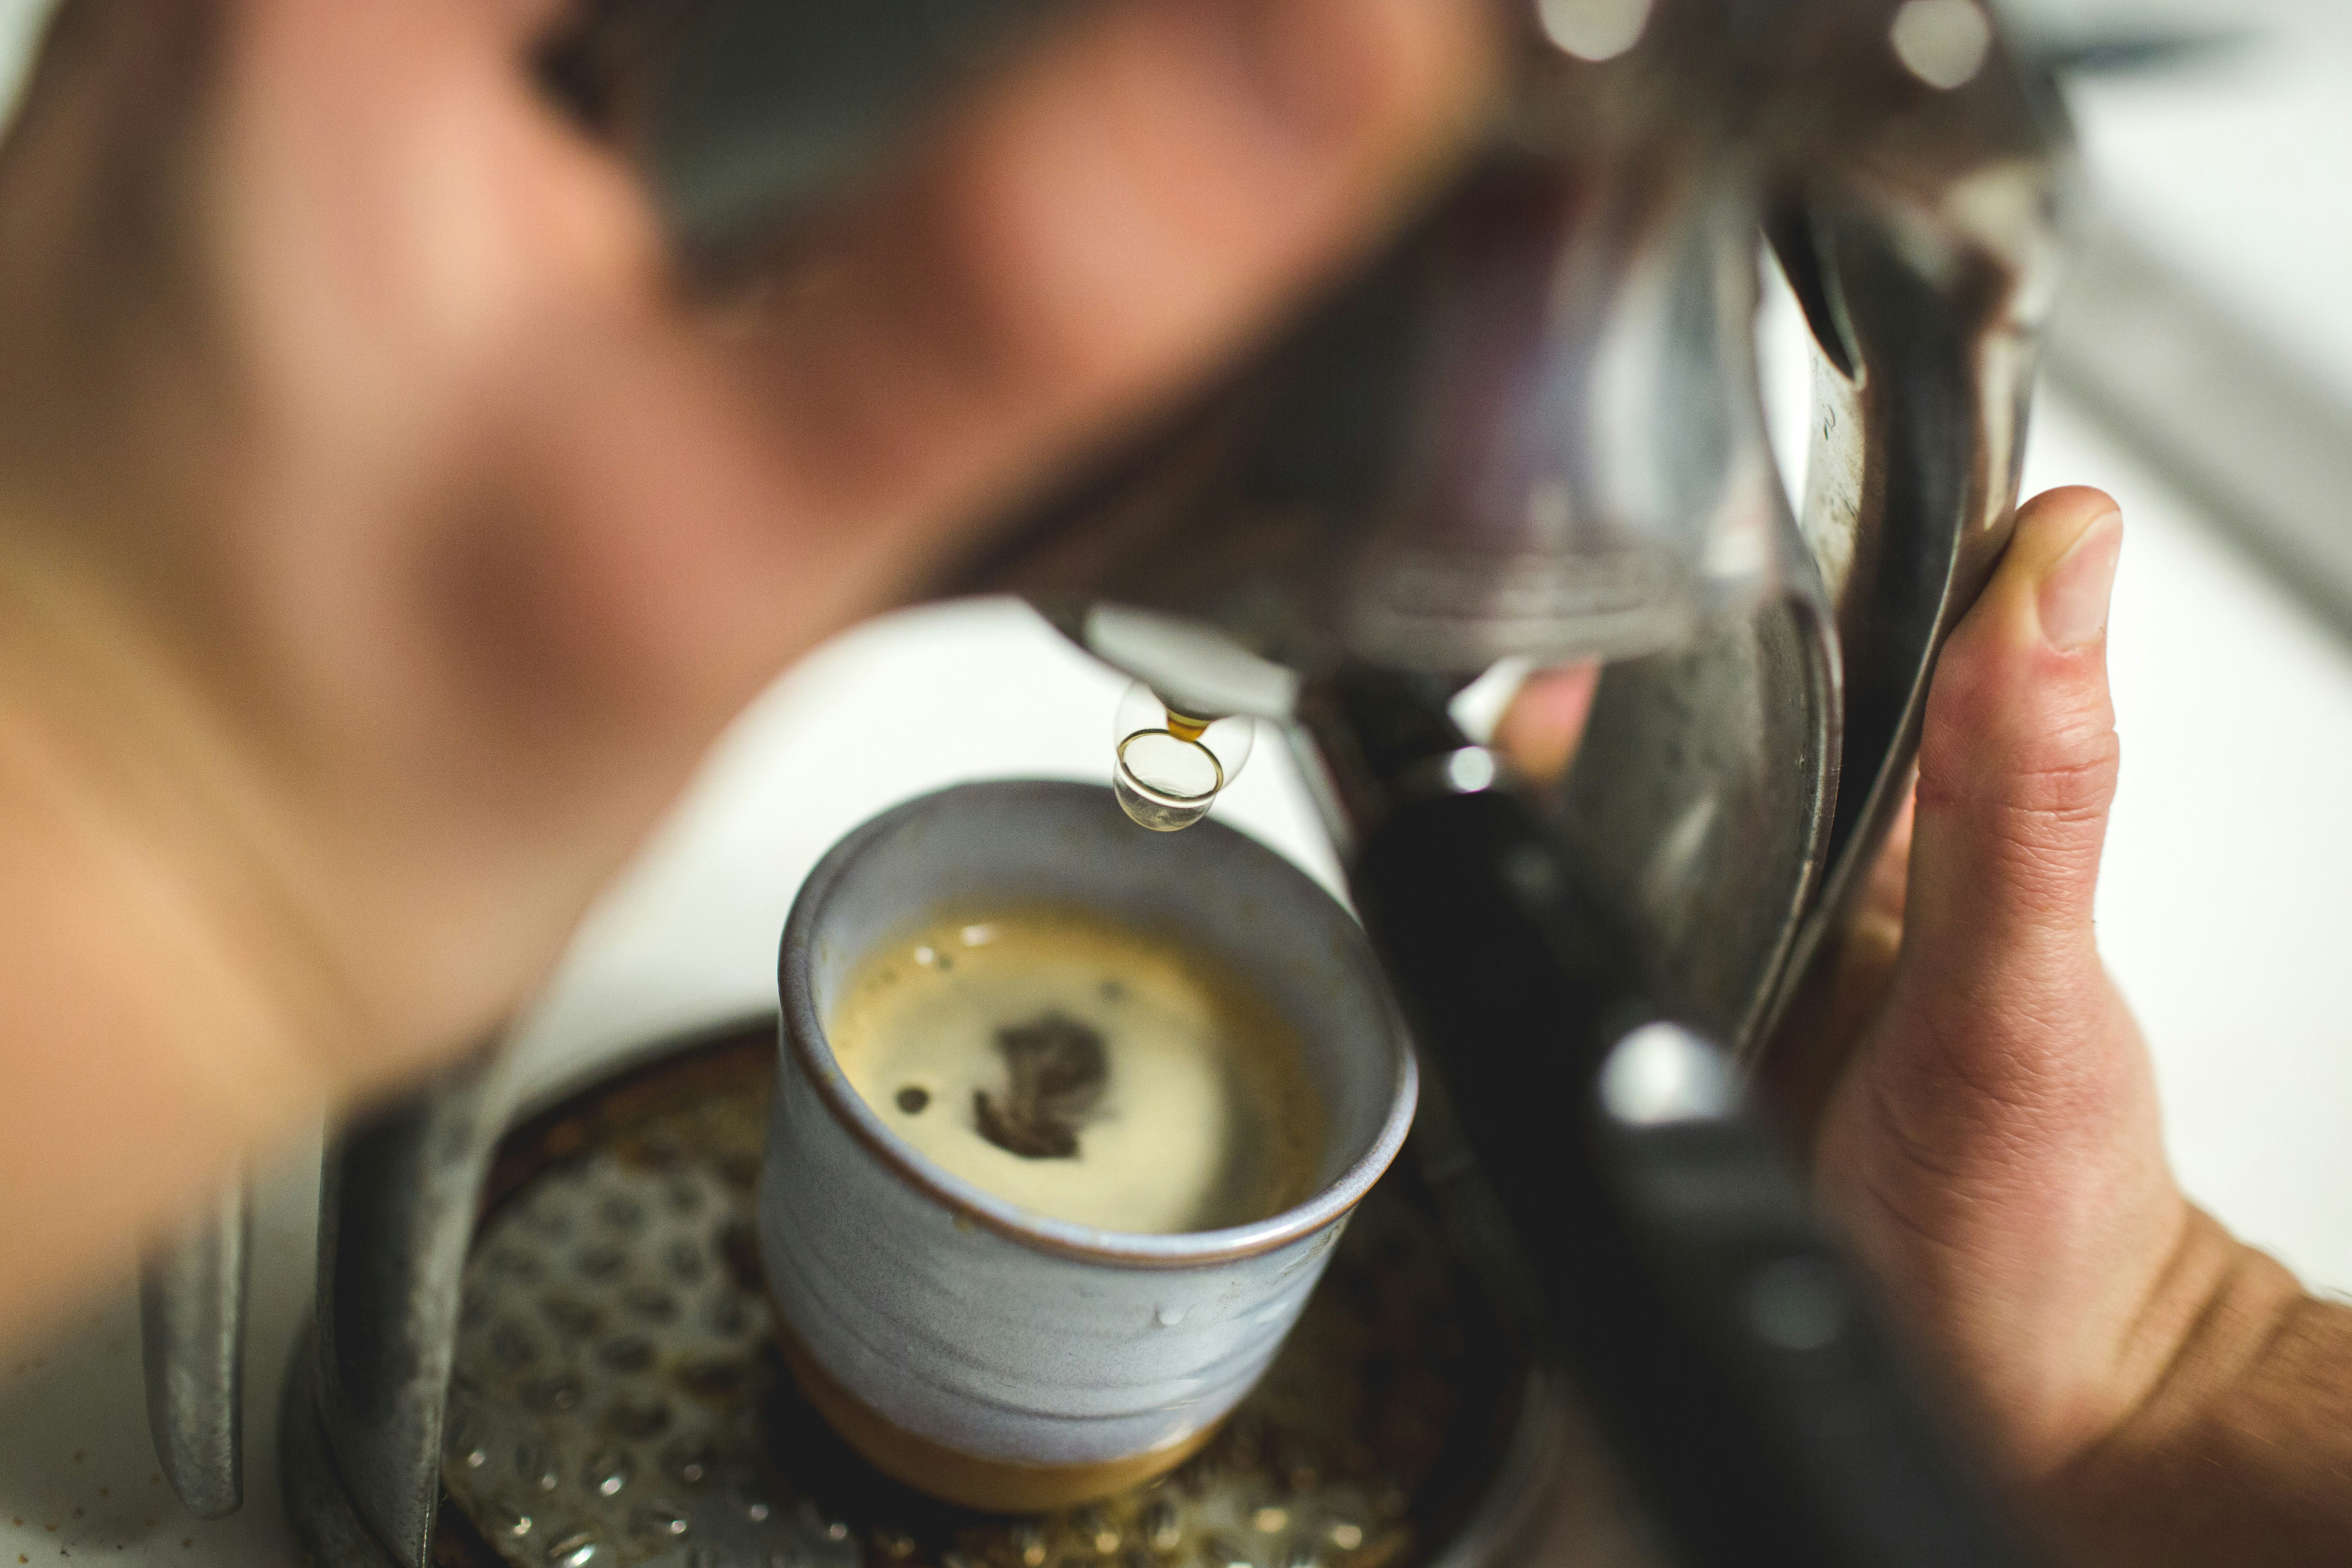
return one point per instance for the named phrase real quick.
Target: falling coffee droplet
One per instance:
(912, 1098)
(1170, 766)
(1164, 781)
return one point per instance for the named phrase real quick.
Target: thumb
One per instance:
(1997, 1151)
(2017, 769)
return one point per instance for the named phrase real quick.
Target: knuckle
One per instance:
(2034, 801)
(2039, 752)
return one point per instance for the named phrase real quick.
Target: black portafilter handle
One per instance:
(1729, 1352)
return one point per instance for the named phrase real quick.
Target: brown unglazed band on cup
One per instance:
(994, 1486)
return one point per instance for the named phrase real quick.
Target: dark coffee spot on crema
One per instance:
(913, 1098)
(1058, 1071)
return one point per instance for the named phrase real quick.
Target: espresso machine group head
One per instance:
(1526, 426)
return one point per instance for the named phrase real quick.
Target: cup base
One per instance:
(995, 1486)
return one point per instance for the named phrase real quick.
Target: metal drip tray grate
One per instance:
(618, 1400)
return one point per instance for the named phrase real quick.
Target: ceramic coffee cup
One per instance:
(989, 1354)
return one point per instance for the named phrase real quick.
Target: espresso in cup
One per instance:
(1084, 1069)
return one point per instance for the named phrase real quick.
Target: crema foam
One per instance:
(1084, 1070)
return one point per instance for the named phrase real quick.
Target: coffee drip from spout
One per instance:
(1170, 762)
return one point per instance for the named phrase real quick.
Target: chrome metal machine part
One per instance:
(192, 1340)
(395, 1217)
(1440, 465)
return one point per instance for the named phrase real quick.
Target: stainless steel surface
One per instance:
(615, 1350)
(2235, 425)
(1529, 431)
(192, 1297)
(1494, 441)
(323, 1510)
(396, 1212)
(1701, 799)
(1929, 260)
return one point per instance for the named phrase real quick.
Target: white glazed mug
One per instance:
(989, 1354)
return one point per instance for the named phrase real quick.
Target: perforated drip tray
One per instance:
(618, 1400)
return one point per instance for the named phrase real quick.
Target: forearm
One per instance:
(157, 1024)
(2241, 1451)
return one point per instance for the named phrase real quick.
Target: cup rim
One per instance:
(804, 1035)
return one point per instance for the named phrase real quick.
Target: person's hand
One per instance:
(1993, 1148)
(1993, 1144)
(383, 535)
(1980, 1113)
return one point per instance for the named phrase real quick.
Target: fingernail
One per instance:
(2076, 589)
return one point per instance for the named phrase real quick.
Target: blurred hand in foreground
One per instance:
(383, 535)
